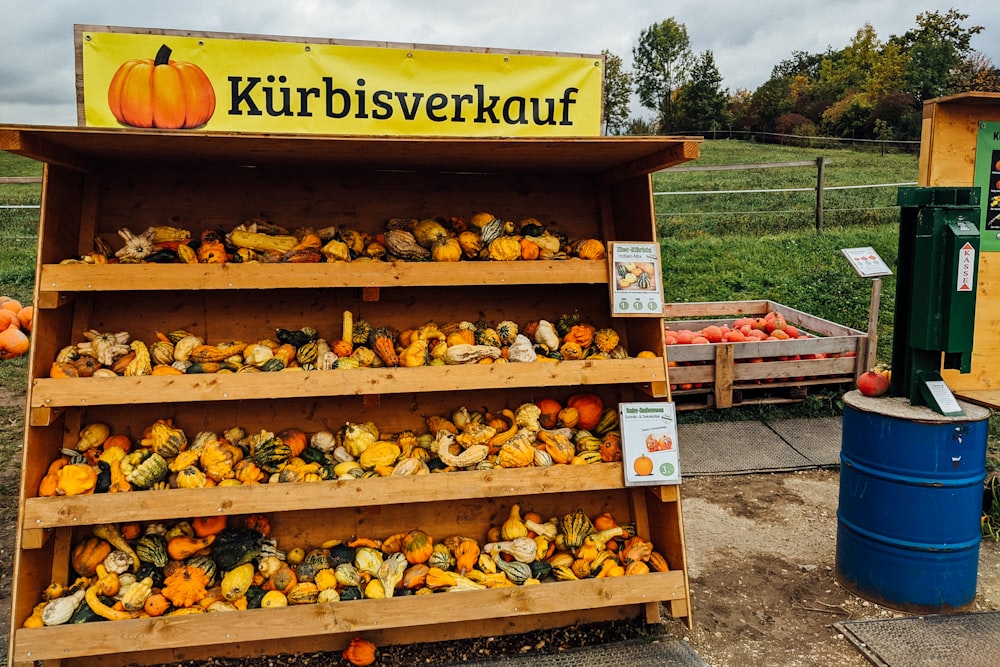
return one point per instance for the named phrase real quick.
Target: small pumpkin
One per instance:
(76, 479)
(504, 249)
(606, 340)
(611, 447)
(156, 604)
(446, 249)
(590, 406)
(590, 249)
(360, 652)
(417, 546)
(87, 555)
(529, 249)
(186, 586)
(208, 525)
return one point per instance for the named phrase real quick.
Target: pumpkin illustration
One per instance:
(161, 92)
(643, 465)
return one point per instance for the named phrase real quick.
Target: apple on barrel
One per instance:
(874, 382)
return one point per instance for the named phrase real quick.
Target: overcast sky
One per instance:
(747, 38)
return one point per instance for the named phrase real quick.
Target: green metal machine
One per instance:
(935, 292)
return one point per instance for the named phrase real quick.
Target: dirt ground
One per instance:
(761, 563)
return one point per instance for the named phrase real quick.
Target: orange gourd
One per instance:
(182, 547)
(342, 348)
(156, 604)
(208, 525)
(581, 334)
(8, 318)
(87, 555)
(295, 438)
(417, 546)
(550, 412)
(122, 442)
(25, 317)
(590, 406)
(611, 447)
(360, 652)
(161, 92)
(529, 249)
(186, 586)
(13, 342)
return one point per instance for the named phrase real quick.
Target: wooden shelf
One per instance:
(87, 392)
(42, 513)
(150, 277)
(98, 181)
(342, 618)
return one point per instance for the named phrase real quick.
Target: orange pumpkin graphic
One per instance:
(162, 93)
(643, 465)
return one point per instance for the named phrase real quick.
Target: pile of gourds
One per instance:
(483, 236)
(221, 564)
(581, 431)
(361, 345)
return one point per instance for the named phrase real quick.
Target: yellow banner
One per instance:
(174, 80)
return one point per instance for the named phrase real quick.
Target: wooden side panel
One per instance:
(985, 351)
(948, 158)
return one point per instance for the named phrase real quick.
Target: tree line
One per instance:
(869, 89)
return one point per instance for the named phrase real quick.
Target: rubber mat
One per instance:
(967, 640)
(729, 448)
(632, 653)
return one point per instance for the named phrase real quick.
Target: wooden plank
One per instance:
(48, 392)
(42, 513)
(620, 157)
(743, 167)
(337, 642)
(65, 641)
(149, 277)
(724, 375)
(989, 398)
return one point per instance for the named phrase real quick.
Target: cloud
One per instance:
(37, 61)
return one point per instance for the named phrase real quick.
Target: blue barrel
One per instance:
(911, 494)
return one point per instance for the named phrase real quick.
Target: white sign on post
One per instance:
(866, 262)
(649, 443)
(636, 282)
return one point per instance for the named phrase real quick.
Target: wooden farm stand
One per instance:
(727, 374)
(97, 181)
(948, 159)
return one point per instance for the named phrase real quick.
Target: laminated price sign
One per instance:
(649, 443)
(636, 282)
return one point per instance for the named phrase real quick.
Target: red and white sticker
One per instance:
(966, 267)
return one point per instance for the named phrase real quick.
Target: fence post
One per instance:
(820, 171)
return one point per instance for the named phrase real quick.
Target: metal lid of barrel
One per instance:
(911, 491)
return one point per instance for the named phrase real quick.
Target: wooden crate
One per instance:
(97, 181)
(722, 375)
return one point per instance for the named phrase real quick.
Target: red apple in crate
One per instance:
(873, 383)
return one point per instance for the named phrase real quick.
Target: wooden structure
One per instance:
(726, 374)
(948, 158)
(97, 181)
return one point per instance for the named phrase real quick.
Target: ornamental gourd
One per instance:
(162, 93)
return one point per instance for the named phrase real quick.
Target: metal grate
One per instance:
(816, 439)
(969, 640)
(726, 448)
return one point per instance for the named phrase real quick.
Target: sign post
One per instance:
(868, 264)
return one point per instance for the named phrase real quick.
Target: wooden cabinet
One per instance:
(97, 181)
